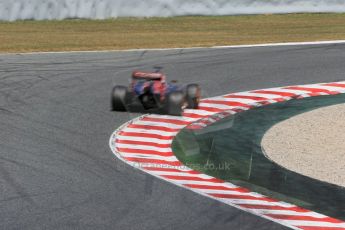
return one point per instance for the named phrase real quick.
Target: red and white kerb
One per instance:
(145, 143)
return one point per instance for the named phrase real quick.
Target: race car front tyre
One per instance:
(174, 103)
(119, 97)
(193, 94)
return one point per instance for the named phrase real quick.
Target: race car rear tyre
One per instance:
(119, 98)
(174, 103)
(193, 94)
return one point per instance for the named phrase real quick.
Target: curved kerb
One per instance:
(145, 143)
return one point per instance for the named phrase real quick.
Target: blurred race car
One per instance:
(149, 92)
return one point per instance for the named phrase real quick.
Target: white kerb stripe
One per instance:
(168, 117)
(150, 131)
(240, 100)
(159, 124)
(143, 147)
(217, 106)
(254, 202)
(268, 96)
(313, 223)
(297, 92)
(149, 156)
(198, 112)
(289, 212)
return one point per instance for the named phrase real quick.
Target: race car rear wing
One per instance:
(148, 76)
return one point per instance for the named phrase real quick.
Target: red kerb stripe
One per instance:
(214, 187)
(255, 98)
(131, 142)
(153, 161)
(192, 178)
(313, 90)
(152, 127)
(245, 197)
(193, 115)
(149, 135)
(171, 170)
(211, 109)
(148, 152)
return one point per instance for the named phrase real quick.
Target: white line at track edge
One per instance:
(195, 48)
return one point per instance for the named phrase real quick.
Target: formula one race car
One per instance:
(149, 92)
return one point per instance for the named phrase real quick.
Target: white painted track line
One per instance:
(330, 42)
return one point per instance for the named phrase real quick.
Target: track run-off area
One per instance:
(57, 170)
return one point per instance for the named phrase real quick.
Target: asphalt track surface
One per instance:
(56, 168)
